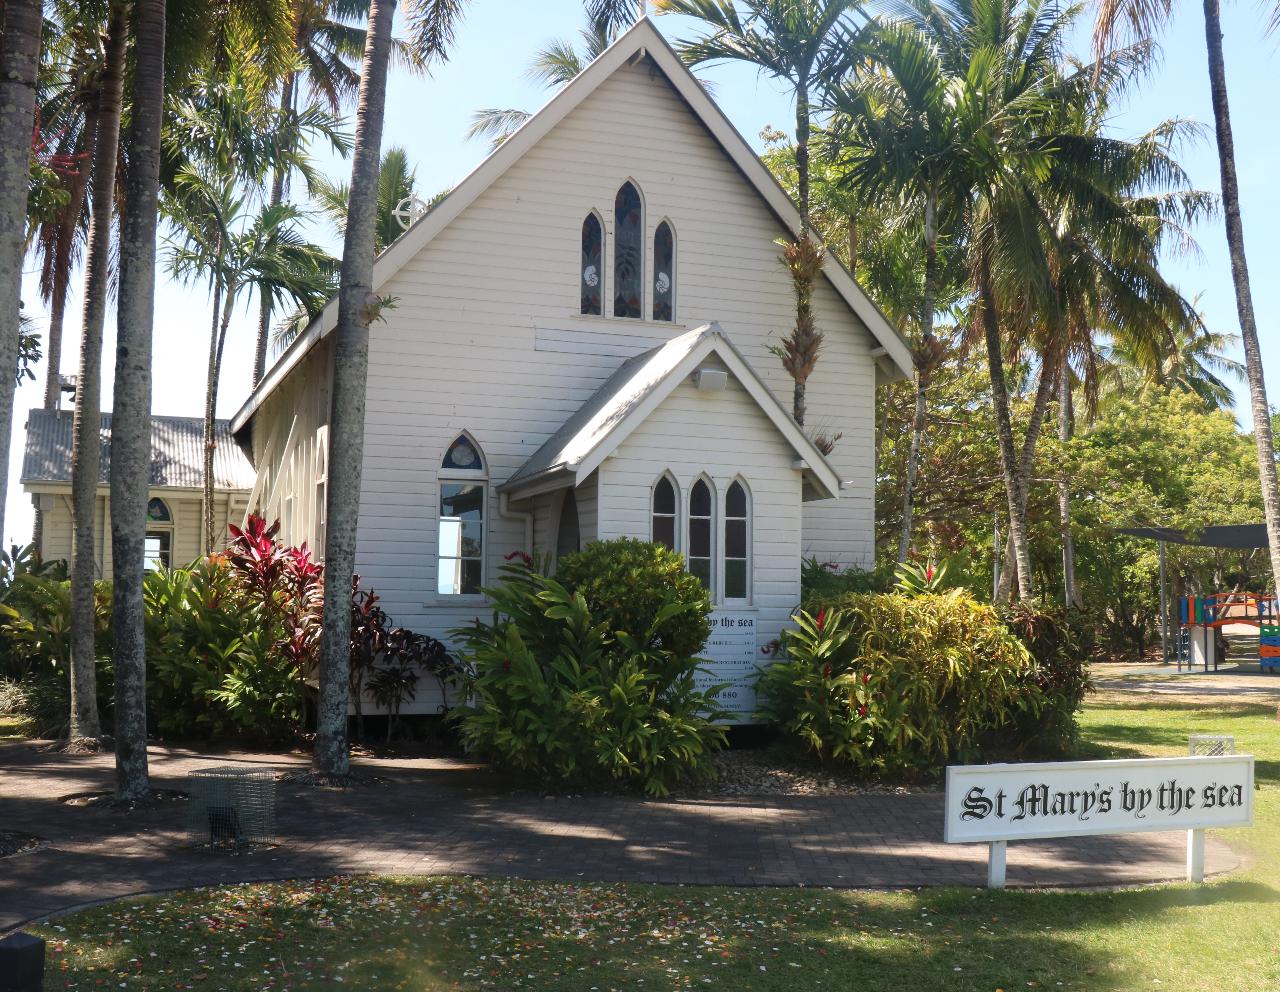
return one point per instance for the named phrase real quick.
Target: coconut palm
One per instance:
(616, 15)
(431, 25)
(396, 179)
(19, 60)
(1144, 18)
(86, 451)
(131, 416)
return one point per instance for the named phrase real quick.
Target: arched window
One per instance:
(664, 512)
(463, 495)
(701, 519)
(737, 542)
(628, 252)
(664, 273)
(157, 543)
(592, 275)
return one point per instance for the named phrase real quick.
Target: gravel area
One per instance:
(760, 772)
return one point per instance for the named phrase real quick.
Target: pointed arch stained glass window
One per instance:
(628, 252)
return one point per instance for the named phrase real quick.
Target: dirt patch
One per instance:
(761, 772)
(15, 842)
(107, 800)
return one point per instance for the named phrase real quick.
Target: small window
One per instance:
(568, 535)
(592, 266)
(664, 513)
(737, 554)
(664, 273)
(158, 512)
(322, 491)
(463, 494)
(157, 549)
(628, 252)
(700, 527)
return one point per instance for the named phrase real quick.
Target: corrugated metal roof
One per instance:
(177, 452)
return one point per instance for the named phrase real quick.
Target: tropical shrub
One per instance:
(572, 697)
(627, 582)
(899, 685)
(824, 581)
(1059, 643)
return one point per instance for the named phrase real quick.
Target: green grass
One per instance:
(457, 933)
(14, 728)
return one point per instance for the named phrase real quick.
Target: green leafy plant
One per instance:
(559, 692)
(823, 581)
(899, 685)
(914, 579)
(1059, 643)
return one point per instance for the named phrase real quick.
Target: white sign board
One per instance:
(1071, 798)
(731, 656)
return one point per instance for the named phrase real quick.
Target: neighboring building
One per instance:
(174, 519)
(580, 349)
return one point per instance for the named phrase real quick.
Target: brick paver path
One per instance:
(440, 816)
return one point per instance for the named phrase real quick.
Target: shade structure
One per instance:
(1240, 536)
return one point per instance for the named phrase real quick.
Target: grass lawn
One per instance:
(13, 728)
(457, 933)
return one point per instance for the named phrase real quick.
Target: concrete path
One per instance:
(1248, 686)
(442, 817)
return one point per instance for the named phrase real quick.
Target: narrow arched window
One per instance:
(463, 497)
(664, 273)
(628, 252)
(592, 266)
(664, 513)
(737, 543)
(701, 516)
(157, 541)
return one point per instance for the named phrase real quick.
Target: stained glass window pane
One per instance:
(664, 497)
(700, 500)
(735, 501)
(628, 252)
(737, 558)
(701, 568)
(735, 579)
(157, 511)
(699, 537)
(735, 538)
(664, 273)
(462, 454)
(592, 266)
(664, 531)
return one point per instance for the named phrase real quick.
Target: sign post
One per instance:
(994, 804)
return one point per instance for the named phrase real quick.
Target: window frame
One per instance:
(161, 529)
(711, 557)
(675, 515)
(320, 511)
(748, 549)
(641, 253)
(604, 263)
(456, 476)
(653, 301)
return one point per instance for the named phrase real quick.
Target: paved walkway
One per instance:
(1248, 686)
(442, 817)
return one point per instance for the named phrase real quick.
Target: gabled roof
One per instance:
(633, 392)
(177, 452)
(642, 39)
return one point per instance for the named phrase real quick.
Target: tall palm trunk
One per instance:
(802, 150)
(1070, 593)
(221, 313)
(357, 308)
(19, 58)
(924, 369)
(1240, 277)
(277, 196)
(1004, 424)
(86, 447)
(1026, 466)
(131, 419)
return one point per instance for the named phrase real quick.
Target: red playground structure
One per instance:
(1200, 618)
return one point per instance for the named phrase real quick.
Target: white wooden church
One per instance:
(580, 350)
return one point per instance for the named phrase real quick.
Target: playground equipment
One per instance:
(1200, 618)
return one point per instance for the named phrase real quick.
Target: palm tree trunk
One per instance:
(1026, 465)
(210, 409)
(1070, 593)
(19, 59)
(131, 418)
(357, 307)
(86, 445)
(277, 196)
(1004, 426)
(802, 151)
(1240, 277)
(924, 368)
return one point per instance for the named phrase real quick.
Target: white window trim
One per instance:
(445, 476)
(676, 531)
(712, 529)
(320, 508)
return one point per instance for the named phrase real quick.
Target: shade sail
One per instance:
(1233, 536)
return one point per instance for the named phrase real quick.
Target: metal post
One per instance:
(1164, 610)
(996, 864)
(1195, 855)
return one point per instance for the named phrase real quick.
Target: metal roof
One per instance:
(1226, 536)
(177, 452)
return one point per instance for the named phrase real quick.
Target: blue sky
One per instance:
(429, 118)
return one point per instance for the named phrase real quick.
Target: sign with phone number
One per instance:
(732, 656)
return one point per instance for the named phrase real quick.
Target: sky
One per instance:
(429, 118)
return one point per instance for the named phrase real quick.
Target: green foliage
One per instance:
(569, 696)
(824, 581)
(913, 579)
(899, 685)
(1058, 641)
(626, 583)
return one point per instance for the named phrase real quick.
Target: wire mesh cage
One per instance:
(232, 806)
(1211, 745)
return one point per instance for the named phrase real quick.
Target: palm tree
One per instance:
(237, 252)
(131, 417)
(431, 25)
(897, 138)
(1144, 17)
(396, 179)
(87, 424)
(19, 60)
